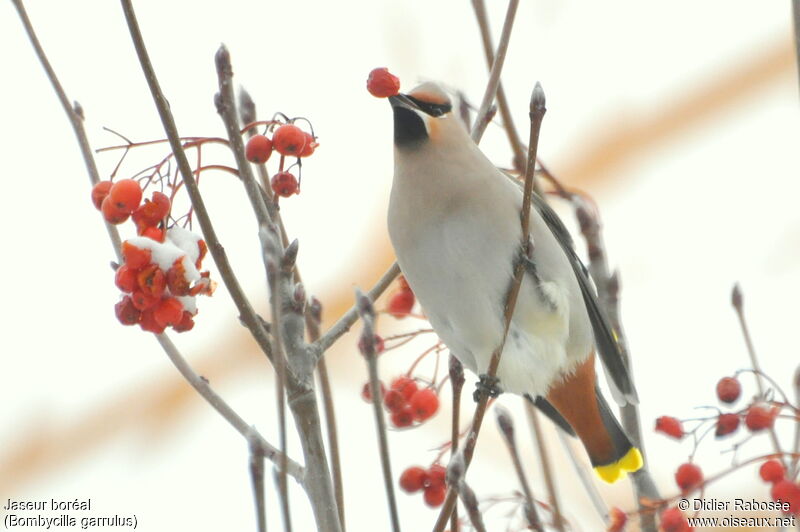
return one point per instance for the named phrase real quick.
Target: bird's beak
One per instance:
(401, 100)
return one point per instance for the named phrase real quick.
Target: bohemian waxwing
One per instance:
(454, 222)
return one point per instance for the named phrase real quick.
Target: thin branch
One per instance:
(456, 372)
(502, 101)
(313, 321)
(313, 317)
(347, 320)
(274, 256)
(796, 447)
(537, 110)
(544, 460)
(506, 426)
(202, 387)
(74, 114)
(497, 67)
(248, 315)
(796, 19)
(257, 478)
(608, 287)
(367, 346)
(737, 300)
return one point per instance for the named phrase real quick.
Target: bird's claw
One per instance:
(487, 385)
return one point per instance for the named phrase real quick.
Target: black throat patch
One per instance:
(409, 129)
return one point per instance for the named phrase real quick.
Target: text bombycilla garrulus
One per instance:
(454, 222)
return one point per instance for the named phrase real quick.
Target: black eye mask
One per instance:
(432, 109)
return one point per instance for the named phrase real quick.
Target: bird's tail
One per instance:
(579, 401)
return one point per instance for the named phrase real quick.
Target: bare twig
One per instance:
(506, 426)
(367, 346)
(537, 110)
(248, 114)
(456, 471)
(737, 300)
(480, 127)
(796, 19)
(349, 318)
(74, 114)
(274, 260)
(246, 312)
(202, 387)
(313, 321)
(608, 287)
(544, 460)
(456, 372)
(497, 68)
(796, 447)
(502, 101)
(257, 478)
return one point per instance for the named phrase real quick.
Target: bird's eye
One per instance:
(433, 109)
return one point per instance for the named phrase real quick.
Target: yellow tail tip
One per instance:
(632, 461)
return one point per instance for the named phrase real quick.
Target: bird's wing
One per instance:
(620, 381)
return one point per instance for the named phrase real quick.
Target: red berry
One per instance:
(394, 401)
(437, 475)
(401, 303)
(143, 301)
(126, 313)
(424, 403)
(289, 140)
(669, 426)
(402, 417)
(413, 479)
(787, 491)
(434, 496)
(688, 477)
(284, 184)
(258, 149)
(177, 282)
(126, 195)
(672, 520)
(406, 386)
(148, 322)
(729, 389)
(152, 210)
(186, 323)
(310, 146)
(616, 520)
(154, 233)
(381, 83)
(772, 471)
(759, 417)
(135, 257)
(152, 281)
(125, 279)
(168, 312)
(111, 213)
(726, 424)
(366, 391)
(99, 193)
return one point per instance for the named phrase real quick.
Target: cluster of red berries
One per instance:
(402, 300)
(405, 401)
(430, 481)
(289, 141)
(160, 275)
(160, 280)
(757, 417)
(783, 489)
(381, 83)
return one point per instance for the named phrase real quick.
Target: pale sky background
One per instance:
(692, 153)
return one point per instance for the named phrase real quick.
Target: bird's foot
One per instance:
(488, 386)
(530, 269)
